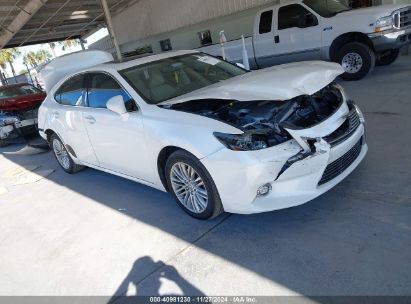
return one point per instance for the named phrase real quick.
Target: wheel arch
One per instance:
(347, 38)
(50, 132)
(162, 160)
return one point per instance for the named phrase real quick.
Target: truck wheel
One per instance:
(357, 59)
(388, 58)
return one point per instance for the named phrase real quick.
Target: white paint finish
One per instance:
(129, 144)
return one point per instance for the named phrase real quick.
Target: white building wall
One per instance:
(151, 17)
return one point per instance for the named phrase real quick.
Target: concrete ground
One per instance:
(97, 234)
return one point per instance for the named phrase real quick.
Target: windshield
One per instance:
(327, 8)
(12, 92)
(164, 79)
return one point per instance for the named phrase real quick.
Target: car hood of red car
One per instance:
(21, 102)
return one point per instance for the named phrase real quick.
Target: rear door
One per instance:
(118, 140)
(297, 34)
(67, 118)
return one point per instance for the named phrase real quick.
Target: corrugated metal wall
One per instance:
(150, 17)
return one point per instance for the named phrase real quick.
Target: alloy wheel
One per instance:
(189, 187)
(61, 154)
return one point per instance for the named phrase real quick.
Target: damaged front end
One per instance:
(316, 122)
(269, 123)
(15, 124)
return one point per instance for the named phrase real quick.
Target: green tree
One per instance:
(2, 70)
(30, 59)
(42, 56)
(68, 44)
(9, 55)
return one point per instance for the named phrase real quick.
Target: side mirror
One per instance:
(116, 104)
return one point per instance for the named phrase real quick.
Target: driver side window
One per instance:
(101, 87)
(295, 15)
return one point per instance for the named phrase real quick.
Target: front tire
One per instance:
(388, 58)
(62, 156)
(192, 186)
(357, 59)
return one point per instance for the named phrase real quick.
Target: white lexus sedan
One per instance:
(217, 137)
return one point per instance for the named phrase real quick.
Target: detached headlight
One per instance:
(242, 142)
(384, 23)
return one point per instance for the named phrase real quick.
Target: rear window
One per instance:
(71, 92)
(18, 91)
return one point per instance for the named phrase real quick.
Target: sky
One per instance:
(18, 62)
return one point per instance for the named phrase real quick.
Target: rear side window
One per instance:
(266, 22)
(295, 15)
(71, 92)
(102, 87)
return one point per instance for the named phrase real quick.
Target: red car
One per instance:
(19, 105)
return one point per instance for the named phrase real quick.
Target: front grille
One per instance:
(345, 130)
(403, 18)
(341, 164)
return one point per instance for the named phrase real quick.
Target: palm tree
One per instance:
(8, 55)
(42, 56)
(2, 71)
(68, 44)
(31, 59)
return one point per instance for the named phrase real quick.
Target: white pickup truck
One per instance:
(327, 30)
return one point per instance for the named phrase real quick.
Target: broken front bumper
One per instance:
(239, 175)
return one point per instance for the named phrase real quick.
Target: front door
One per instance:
(297, 34)
(118, 140)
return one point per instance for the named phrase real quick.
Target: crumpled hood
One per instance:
(280, 82)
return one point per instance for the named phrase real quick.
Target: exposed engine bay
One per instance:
(264, 122)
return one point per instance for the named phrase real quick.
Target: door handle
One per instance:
(55, 114)
(90, 119)
(276, 39)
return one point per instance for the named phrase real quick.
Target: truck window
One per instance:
(295, 15)
(266, 22)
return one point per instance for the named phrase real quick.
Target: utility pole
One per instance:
(110, 28)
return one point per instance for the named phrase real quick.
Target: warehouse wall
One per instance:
(149, 17)
(147, 22)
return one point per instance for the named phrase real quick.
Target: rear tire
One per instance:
(388, 58)
(357, 59)
(192, 186)
(62, 155)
